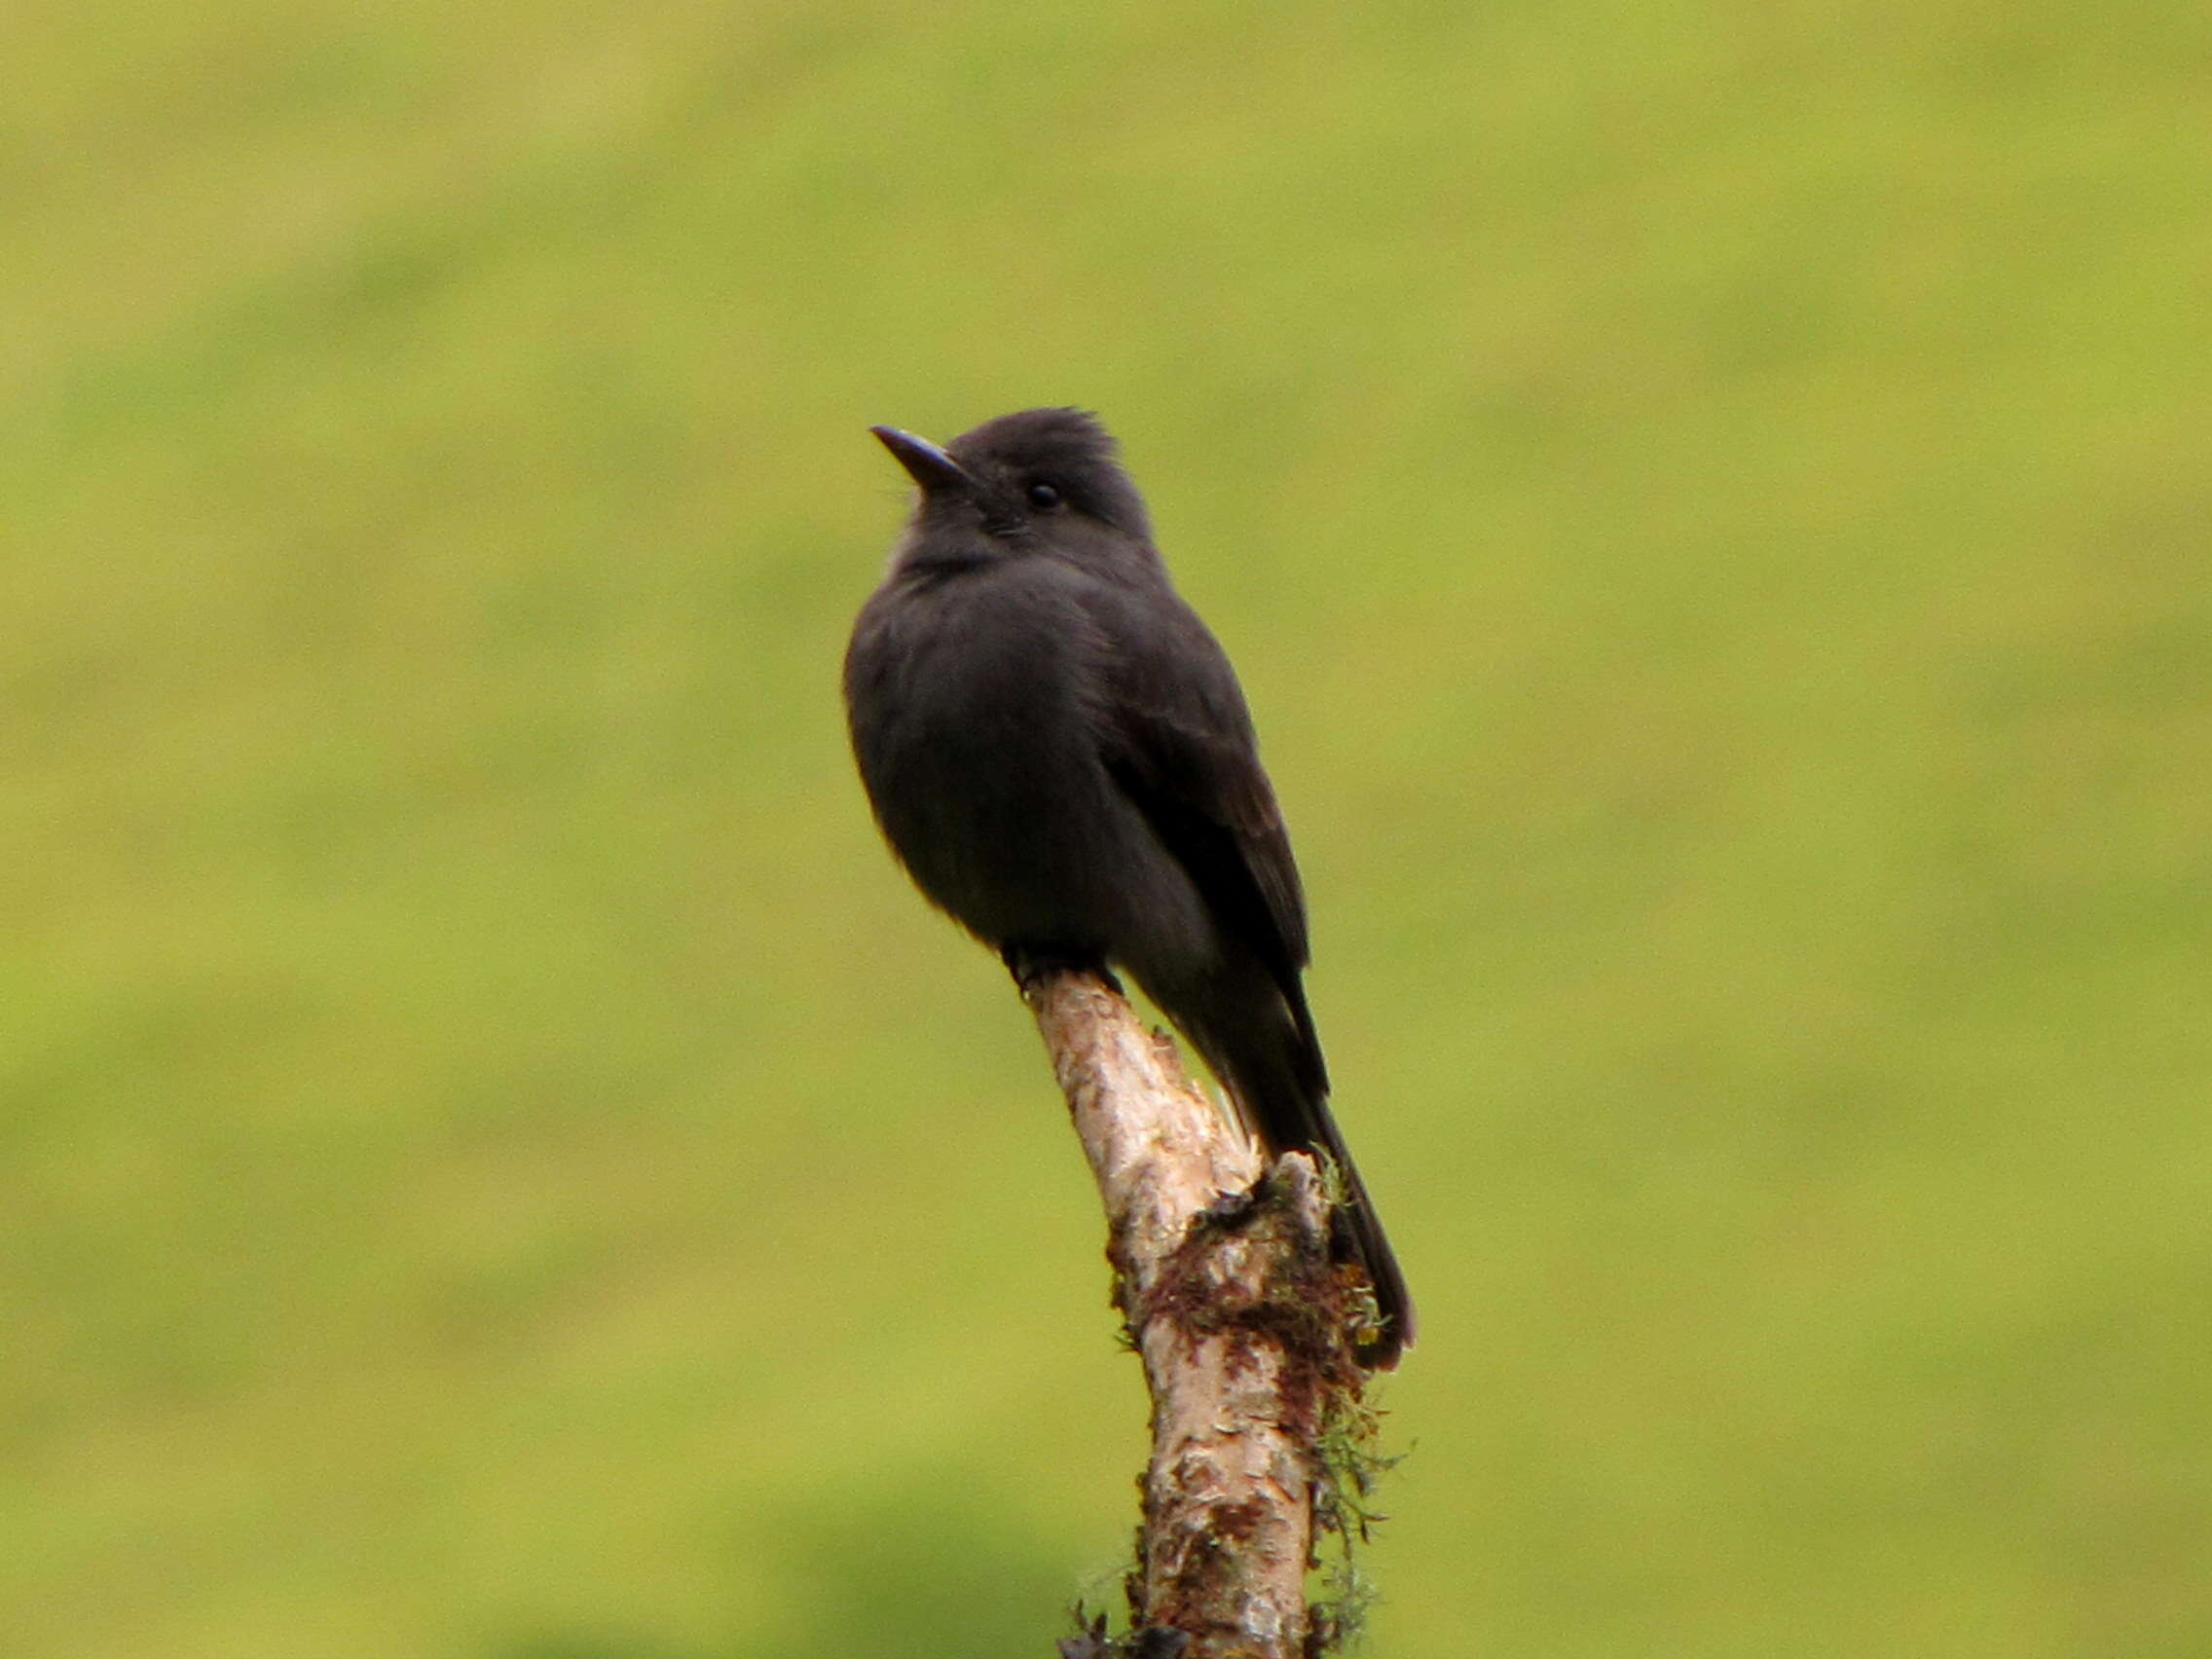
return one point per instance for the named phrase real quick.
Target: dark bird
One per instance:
(1057, 750)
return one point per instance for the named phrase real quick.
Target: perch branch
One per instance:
(1242, 1320)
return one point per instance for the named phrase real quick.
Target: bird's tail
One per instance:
(1273, 1071)
(1361, 1231)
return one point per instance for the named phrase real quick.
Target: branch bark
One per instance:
(1243, 1321)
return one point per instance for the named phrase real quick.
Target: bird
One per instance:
(1057, 750)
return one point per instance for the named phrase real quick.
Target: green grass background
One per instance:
(1710, 502)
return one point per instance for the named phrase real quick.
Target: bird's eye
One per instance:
(1044, 498)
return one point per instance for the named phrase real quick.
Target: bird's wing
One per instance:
(1178, 740)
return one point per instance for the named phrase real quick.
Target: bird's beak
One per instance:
(929, 466)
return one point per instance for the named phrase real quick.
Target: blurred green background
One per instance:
(1709, 502)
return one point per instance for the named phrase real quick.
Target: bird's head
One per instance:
(1038, 481)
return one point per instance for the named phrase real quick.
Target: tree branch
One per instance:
(1243, 1321)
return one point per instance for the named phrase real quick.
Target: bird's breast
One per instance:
(974, 707)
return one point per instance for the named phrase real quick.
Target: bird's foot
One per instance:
(1232, 1210)
(1030, 964)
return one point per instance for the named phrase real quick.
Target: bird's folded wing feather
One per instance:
(1178, 740)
